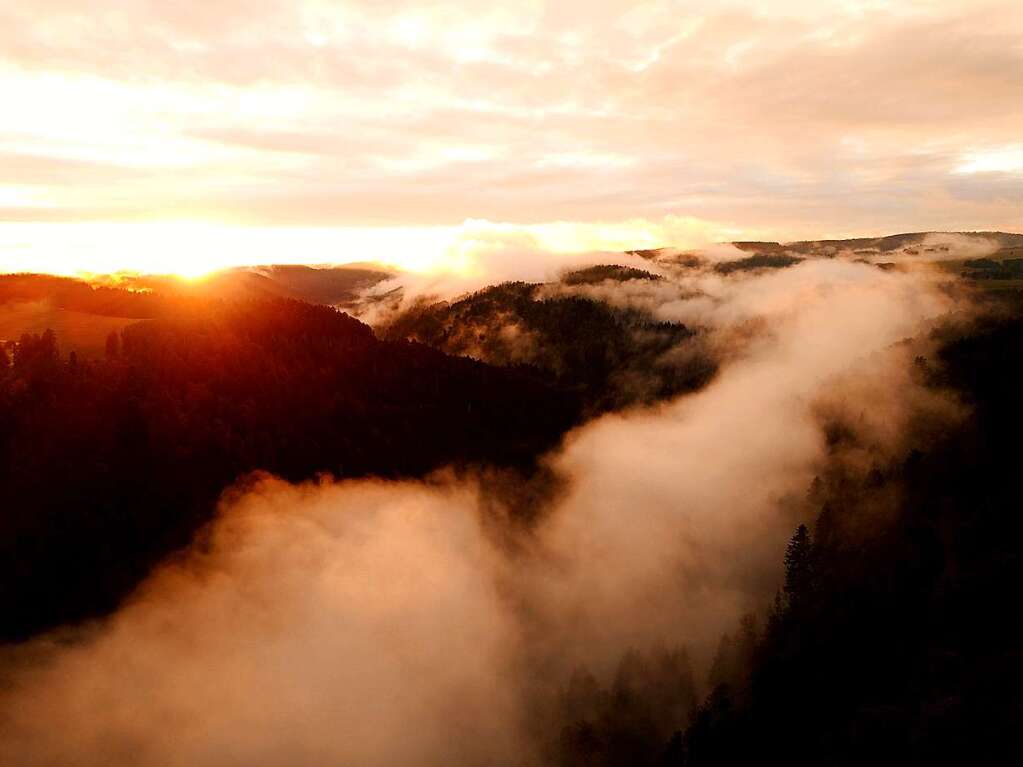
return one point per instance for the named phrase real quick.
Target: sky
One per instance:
(186, 136)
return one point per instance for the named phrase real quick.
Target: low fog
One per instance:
(407, 623)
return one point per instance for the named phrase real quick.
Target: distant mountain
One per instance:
(611, 357)
(331, 285)
(922, 242)
(946, 247)
(83, 313)
(128, 301)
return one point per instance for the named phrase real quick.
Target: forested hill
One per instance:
(610, 357)
(143, 296)
(900, 644)
(78, 295)
(910, 243)
(896, 637)
(109, 465)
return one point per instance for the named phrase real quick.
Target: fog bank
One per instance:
(376, 623)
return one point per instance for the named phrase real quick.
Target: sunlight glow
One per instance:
(192, 249)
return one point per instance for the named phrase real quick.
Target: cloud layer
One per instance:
(844, 118)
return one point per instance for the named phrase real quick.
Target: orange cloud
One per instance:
(845, 117)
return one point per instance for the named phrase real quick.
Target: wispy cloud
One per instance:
(846, 117)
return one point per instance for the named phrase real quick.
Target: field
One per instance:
(80, 332)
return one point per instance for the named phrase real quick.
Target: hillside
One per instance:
(911, 243)
(108, 466)
(610, 357)
(987, 258)
(330, 285)
(81, 332)
(899, 640)
(894, 638)
(83, 313)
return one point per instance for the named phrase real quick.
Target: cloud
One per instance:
(850, 118)
(690, 499)
(451, 259)
(326, 624)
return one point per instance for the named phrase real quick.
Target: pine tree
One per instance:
(799, 567)
(775, 615)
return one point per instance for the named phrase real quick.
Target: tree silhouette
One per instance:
(799, 567)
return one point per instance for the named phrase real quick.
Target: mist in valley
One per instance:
(441, 620)
(511, 384)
